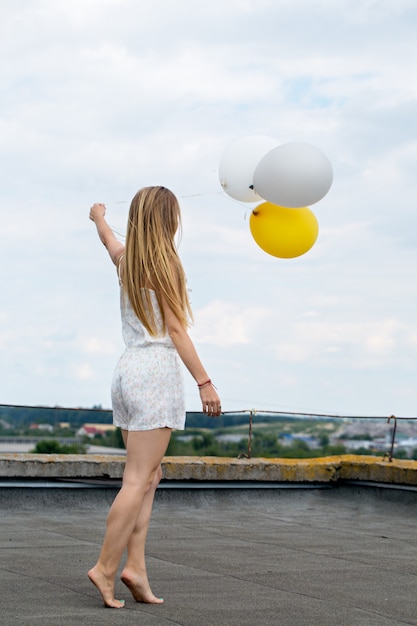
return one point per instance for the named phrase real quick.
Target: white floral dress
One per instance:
(147, 388)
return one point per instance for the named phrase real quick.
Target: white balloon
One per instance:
(238, 165)
(293, 175)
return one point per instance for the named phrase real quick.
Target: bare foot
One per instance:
(139, 587)
(106, 588)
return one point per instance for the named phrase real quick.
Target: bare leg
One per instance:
(145, 450)
(134, 573)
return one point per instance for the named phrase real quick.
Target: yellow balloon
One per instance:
(283, 232)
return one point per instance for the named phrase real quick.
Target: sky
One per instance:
(101, 97)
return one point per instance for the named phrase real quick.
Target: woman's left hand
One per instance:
(210, 400)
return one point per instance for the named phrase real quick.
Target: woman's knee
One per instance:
(142, 481)
(154, 479)
(157, 477)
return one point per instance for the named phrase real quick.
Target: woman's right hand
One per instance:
(97, 210)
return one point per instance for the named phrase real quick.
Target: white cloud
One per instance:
(95, 345)
(383, 339)
(84, 371)
(359, 344)
(98, 97)
(226, 324)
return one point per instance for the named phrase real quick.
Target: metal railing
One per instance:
(391, 419)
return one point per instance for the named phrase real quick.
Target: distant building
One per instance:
(288, 439)
(90, 430)
(231, 438)
(357, 444)
(47, 427)
(409, 445)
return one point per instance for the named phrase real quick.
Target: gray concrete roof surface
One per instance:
(220, 557)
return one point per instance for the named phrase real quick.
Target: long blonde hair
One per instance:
(151, 259)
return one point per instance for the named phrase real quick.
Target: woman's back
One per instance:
(135, 335)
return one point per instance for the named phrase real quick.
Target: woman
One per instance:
(147, 389)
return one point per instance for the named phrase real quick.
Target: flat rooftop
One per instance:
(262, 554)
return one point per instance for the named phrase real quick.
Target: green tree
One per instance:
(324, 440)
(206, 445)
(51, 446)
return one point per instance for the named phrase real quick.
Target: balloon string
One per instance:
(207, 193)
(117, 232)
(191, 195)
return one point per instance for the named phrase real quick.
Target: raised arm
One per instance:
(113, 245)
(188, 354)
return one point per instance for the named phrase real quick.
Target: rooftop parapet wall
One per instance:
(318, 470)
